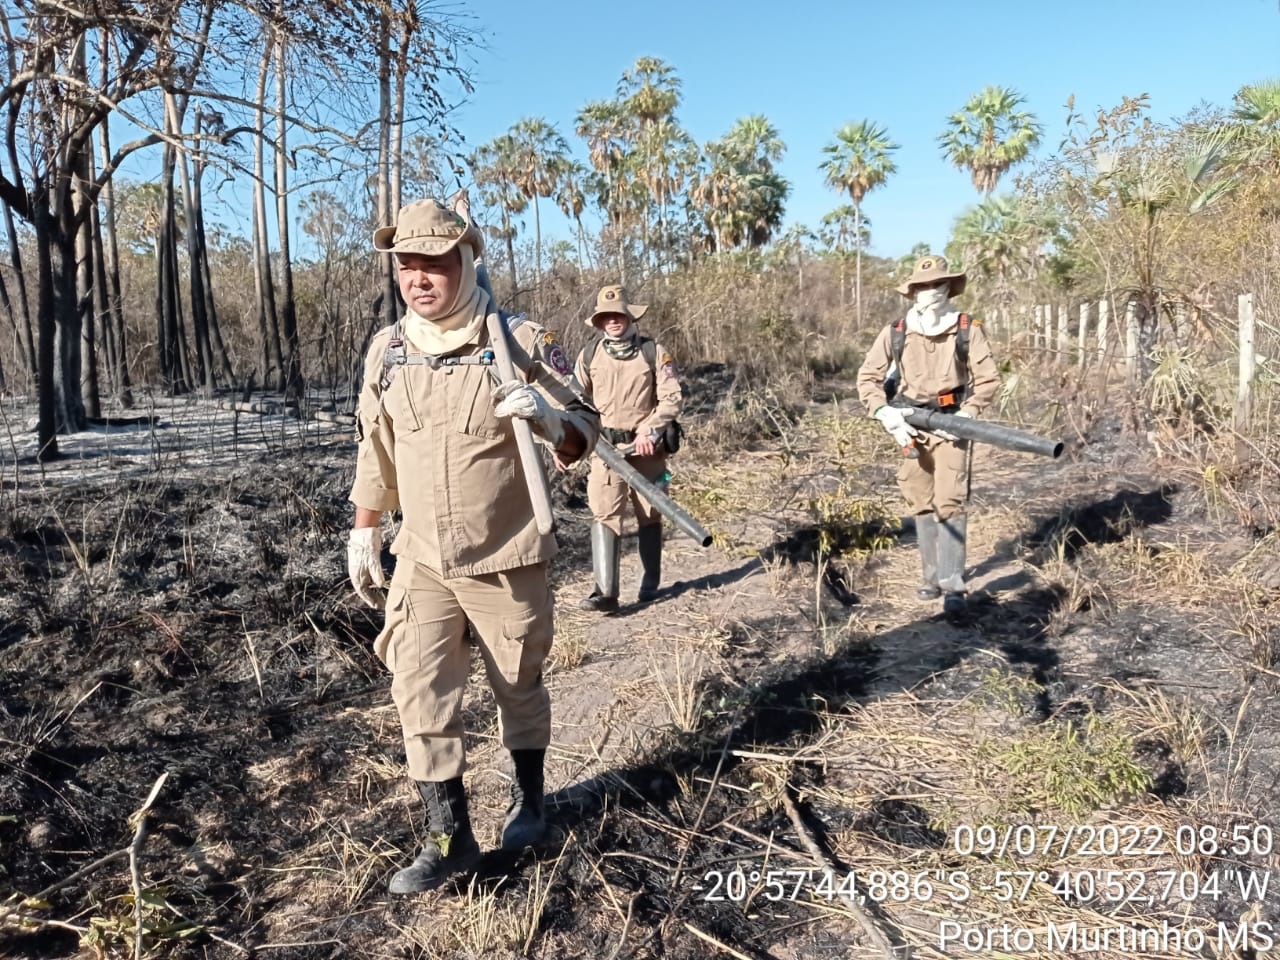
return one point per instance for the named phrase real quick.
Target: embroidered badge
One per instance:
(668, 367)
(548, 337)
(556, 358)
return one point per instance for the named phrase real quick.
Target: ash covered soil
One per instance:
(787, 704)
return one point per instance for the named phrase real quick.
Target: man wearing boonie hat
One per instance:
(436, 442)
(939, 359)
(631, 379)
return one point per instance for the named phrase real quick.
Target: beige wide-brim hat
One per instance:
(427, 227)
(929, 270)
(613, 299)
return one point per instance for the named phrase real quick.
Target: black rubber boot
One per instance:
(451, 847)
(650, 539)
(526, 822)
(927, 541)
(606, 558)
(952, 534)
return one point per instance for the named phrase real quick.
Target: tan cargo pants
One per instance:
(424, 645)
(608, 493)
(939, 480)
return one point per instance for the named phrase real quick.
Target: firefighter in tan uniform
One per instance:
(436, 442)
(943, 361)
(631, 380)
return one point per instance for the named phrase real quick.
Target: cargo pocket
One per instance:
(523, 648)
(390, 643)
(474, 414)
(406, 395)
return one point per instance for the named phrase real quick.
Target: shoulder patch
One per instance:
(668, 368)
(548, 338)
(556, 358)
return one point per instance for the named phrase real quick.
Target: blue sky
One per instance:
(810, 66)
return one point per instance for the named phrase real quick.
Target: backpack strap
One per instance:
(394, 356)
(649, 348)
(962, 346)
(897, 341)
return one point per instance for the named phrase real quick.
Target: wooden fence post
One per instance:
(1064, 340)
(1036, 325)
(1085, 310)
(1248, 367)
(1131, 337)
(1104, 318)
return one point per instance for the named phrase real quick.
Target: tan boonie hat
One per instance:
(929, 270)
(613, 299)
(427, 227)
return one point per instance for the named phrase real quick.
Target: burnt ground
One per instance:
(1117, 669)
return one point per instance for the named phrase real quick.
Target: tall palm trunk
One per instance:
(857, 245)
(537, 242)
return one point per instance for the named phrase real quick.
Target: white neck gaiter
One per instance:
(931, 314)
(461, 324)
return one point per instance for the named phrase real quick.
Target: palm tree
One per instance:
(739, 196)
(540, 152)
(659, 151)
(843, 228)
(493, 166)
(999, 238)
(857, 162)
(989, 135)
(756, 142)
(571, 200)
(1254, 130)
(650, 90)
(605, 126)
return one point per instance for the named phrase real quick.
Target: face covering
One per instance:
(931, 299)
(931, 313)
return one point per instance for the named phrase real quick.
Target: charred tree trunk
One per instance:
(20, 286)
(293, 360)
(82, 213)
(111, 264)
(66, 313)
(203, 379)
(172, 373)
(217, 350)
(109, 278)
(385, 212)
(42, 221)
(102, 301)
(268, 321)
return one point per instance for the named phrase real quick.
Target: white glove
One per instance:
(893, 420)
(364, 564)
(951, 436)
(518, 399)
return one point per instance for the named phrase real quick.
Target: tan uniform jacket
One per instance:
(431, 446)
(628, 393)
(929, 368)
